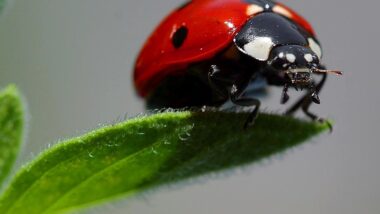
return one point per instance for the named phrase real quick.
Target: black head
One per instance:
(283, 47)
(297, 62)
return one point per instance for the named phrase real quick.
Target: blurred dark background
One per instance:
(73, 62)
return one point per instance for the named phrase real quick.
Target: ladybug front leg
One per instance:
(307, 100)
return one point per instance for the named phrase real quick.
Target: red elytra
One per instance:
(211, 24)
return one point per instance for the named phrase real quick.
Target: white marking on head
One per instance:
(291, 58)
(308, 57)
(259, 48)
(253, 9)
(315, 47)
(282, 11)
(281, 55)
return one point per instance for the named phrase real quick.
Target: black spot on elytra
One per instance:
(184, 5)
(180, 36)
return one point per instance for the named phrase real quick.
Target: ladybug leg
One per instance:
(249, 102)
(220, 81)
(285, 96)
(308, 99)
(216, 80)
(236, 94)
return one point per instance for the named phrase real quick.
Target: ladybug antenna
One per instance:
(323, 71)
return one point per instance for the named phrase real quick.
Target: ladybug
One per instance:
(208, 52)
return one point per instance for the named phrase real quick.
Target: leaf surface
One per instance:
(11, 129)
(142, 153)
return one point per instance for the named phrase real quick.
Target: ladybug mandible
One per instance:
(210, 51)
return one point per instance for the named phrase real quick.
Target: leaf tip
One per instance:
(11, 90)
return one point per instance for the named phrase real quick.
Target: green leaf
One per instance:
(2, 4)
(142, 153)
(11, 128)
